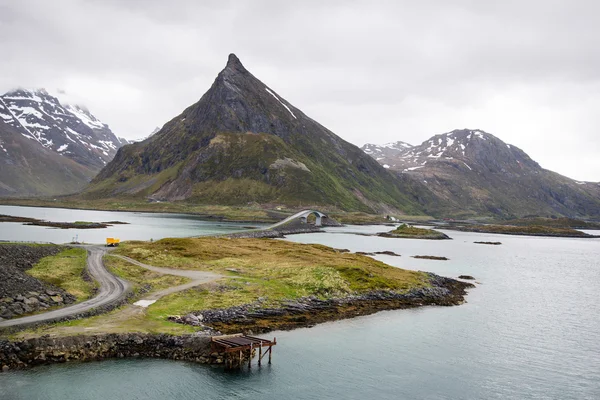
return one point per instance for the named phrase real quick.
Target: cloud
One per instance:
(376, 71)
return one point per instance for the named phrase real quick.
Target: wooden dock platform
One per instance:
(239, 346)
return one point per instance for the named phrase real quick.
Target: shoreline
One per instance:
(310, 311)
(583, 235)
(45, 350)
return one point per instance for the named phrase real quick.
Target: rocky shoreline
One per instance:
(251, 318)
(523, 232)
(272, 233)
(16, 355)
(433, 236)
(309, 311)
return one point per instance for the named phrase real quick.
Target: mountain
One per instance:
(386, 153)
(60, 132)
(243, 142)
(471, 172)
(28, 168)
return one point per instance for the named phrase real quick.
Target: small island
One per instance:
(410, 232)
(60, 225)
(437, 258)
(532, 230)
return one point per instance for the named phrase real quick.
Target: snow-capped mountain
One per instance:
(69, 130)
(475, 172)
(386, 152)
(47, 148)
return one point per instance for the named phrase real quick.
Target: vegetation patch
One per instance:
(143, 279)
(407, 231)
(66, 271)
(561, 222)
(61, 225)
(265, 270)
(533, 230)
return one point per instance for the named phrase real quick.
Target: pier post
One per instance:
(270, 351)
(260, 354)
(250, 358)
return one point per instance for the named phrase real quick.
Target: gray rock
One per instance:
(17, 308)
(56, 299)
(32, 301)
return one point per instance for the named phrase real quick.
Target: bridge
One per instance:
(303, 217)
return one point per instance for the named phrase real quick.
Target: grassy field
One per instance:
(553, 222)
(142, 279)
(525, 230)
(264, 271)
(411, 230)
(65, 270)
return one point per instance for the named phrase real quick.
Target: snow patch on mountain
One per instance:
(39, 116)
(281, 102)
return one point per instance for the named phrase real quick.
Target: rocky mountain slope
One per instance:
(243, 142)
(65, 145)
(471, 172)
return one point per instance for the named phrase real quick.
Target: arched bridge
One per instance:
(303, 217)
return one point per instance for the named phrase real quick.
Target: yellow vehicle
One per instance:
(112, 242)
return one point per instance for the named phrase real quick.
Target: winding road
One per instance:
(111, 290)
(197, 278)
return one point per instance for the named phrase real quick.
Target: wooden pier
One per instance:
(239, 346)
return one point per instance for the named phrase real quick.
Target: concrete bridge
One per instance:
(303, 217)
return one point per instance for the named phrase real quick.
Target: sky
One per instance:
(526, 71)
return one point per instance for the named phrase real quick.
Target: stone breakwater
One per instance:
(47, 350)
(272, 233)
(308, 311)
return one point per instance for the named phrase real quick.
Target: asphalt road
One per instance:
(111, 290)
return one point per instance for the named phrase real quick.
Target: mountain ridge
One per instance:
(243, 142)
(71, 132)
(470, 171)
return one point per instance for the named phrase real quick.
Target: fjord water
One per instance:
(140, 226)
(530, 330)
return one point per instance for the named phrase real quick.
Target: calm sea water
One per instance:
(530, 330)
(141, 226)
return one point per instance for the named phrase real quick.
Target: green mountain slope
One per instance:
(242, 142)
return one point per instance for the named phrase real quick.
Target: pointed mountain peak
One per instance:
(234, 64)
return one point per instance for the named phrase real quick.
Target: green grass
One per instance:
(270, 270)
(142, 277)
(405, 229)
(531, 230)
(65, 270)
(263, 268)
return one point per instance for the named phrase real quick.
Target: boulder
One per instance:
(32, 301)
(56, 299)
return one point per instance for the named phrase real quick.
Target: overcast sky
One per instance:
(371, 71)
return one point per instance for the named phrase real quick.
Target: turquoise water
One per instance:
(530, 330)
